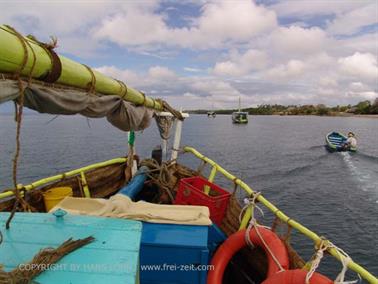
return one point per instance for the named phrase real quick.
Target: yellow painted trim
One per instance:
(87, 193)
(67, 174)
(302, 229)
(211, 178)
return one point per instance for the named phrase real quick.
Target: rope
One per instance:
(167, 107)
(250, 202)
(123, 89)
(235, 185)
(344, 259)
(324, 245)
(201, 167)
(92, 83)
(130, 161)
(41, 262)
(18, 114)
(56, 65)
(253, 224)
(161, 175)
(26, 53)
(33, 64)
(144, 99)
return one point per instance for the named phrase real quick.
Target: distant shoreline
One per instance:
(366, 115)
(329, 115)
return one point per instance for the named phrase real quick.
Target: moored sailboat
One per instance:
(240, 117)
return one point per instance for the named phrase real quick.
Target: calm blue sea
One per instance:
(334, 194)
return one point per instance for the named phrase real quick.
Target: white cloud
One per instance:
(69, 22)
(352, 21)
(211, 29)
(358, 86)
(241, 64)
(220, 90)
(235, 20)
(132, 26)
(364, 43)
(292, 69)
(160, 81)
(360, 65)
(328, 82)
(161, 73)
(298, 41)
(191, 69)
(190, 95)
(358, 96)
(238, 45)
(125, 75)
(305, 8)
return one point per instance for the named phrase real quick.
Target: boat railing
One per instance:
(214, 170)
(79, 171)
(279, 214)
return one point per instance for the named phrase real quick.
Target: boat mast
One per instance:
(239, 105)
(72, 73)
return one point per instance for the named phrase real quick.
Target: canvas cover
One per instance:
(121, 206)
(67, 101)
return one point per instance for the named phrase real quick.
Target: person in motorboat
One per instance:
(351, 142)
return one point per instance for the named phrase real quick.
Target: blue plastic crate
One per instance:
(173, 253)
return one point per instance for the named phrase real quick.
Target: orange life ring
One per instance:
(237, 241)
(296, 276)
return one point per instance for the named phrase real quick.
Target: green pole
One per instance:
(73, 74)
(131, 138)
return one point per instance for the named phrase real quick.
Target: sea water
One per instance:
(333, 194)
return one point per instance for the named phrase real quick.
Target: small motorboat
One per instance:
(335, 142)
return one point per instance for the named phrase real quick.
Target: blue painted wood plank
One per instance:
(113, 256)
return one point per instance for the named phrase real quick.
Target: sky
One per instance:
(207, 54)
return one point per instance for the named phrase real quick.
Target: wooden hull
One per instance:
(247, 264)
(103, 182)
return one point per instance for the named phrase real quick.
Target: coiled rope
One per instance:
(42, 261)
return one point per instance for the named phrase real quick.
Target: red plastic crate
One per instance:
(191, 191)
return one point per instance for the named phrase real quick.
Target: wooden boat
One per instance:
(125, 247)
(335, 141)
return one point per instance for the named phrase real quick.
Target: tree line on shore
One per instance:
(363, 107)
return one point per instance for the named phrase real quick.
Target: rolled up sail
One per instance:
(39, 63)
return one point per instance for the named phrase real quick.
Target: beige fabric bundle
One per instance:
(121, 206)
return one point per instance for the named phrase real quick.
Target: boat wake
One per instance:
(316, 147)
(366, 176)
(366, 156)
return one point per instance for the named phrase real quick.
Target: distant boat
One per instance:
(335, 142)
(240, 117)
(211, 114)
